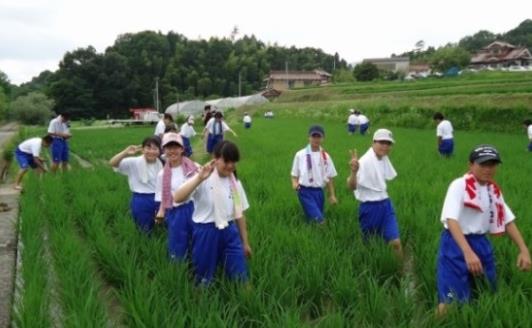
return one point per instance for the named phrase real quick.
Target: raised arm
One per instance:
(191, 184)
(352, 179)
(129, 151)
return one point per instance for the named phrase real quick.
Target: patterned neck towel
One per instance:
(221, 215)
(189, 168)
(323, 165)
(472, 200)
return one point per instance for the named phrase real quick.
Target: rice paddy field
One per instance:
(85, 265)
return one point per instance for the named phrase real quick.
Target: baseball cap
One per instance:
(484, 153)
(383, 135)
(172, 137)
(316, 129)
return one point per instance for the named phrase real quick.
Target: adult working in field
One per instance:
(368, 179)
(352, 122)
(187, 132)
(473, 207)
(312, 170)
(141, 172)
(27, 155)
(528, 127)
(59, 131)
(214, 131)
(247, 121)
(178, 216)
(362, 121)
(444, 133)
(220, 201)
(165, 122)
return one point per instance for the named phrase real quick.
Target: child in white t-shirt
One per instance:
(28, 154)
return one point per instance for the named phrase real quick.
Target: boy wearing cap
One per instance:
(473, 207)
(368, 180)
(27, 155)
(351, 122)
(312, 170)
(187, 132)
(528, 127)
(444, 133)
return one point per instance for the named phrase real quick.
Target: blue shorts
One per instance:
(24, 160)
(187, 146)
(143, 209)
(446, 147)
(453, 278)
(378, 219)
(213, 140)
(59, 150)
(247, 125)
(212, 247)
(363, 128)
(179, 222)
(351, 128)
(530, 146)
(312, 200)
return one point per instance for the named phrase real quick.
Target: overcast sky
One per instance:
(35, 34)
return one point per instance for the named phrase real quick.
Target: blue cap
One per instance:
(316, 129)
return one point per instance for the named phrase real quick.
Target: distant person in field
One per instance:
(220, 202)
(312, 170)
(528, 126)
(60, 132)
(268, 115)
(178, 216)
(215, 130)
(187, 132)
(362, 121)
(28, 154)
(141, 172)
(352, 122)
(368, 179)
(474, 207)
(444, 133)
(247, 121)
(165, 122)
(208, 113)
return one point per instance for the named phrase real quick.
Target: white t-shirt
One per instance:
(530, 132)
(352, 119)
(159, 128)
(366, 194)
(362, 119)
(211, 126)
(131, 167)
(247, 119)
(204, 200)
(57, 126)
(31, 146)
(178, 178)
(445, 130)
(187, 130)
(300, 169)
(471, 221)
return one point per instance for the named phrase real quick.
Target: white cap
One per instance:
(383, 135)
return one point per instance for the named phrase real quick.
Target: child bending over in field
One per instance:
(220, 201)
(368, 179)
(473, 207)
(27, 155)
(178, 216)
(312, 170)
(142, 175)
(528, 127)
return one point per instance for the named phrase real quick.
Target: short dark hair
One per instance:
(218, 115)
(48, 139)
(226, 150)
(171, 128)
(66, 116)
(168, 117)
(527, 122)
(437, 116)
(207, 107)
(152, 141)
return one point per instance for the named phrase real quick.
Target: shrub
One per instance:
(35, 108)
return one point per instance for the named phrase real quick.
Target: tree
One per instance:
(449, 56)
(366, 71)
(5, 84)
(477, 41)
(35, 108)
(3, 104)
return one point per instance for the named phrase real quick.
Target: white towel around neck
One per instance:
(144, 173)
(369, 175)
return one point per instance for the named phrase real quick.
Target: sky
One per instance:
(35, 34)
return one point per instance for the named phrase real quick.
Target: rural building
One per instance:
(501, 54)
(141, 113)
(282, 80)
(394, 64)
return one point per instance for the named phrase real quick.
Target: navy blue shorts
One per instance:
(247, 125)
(143, 209)
(351, 128)
(59, 150)
(530, 146)
(453, 278)
(179, 222)
(312, 201)
(187, 146)
(24, 160)
(378, 219)
(213, 140)
(363, 128)
(212, 247)
(446, 147)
